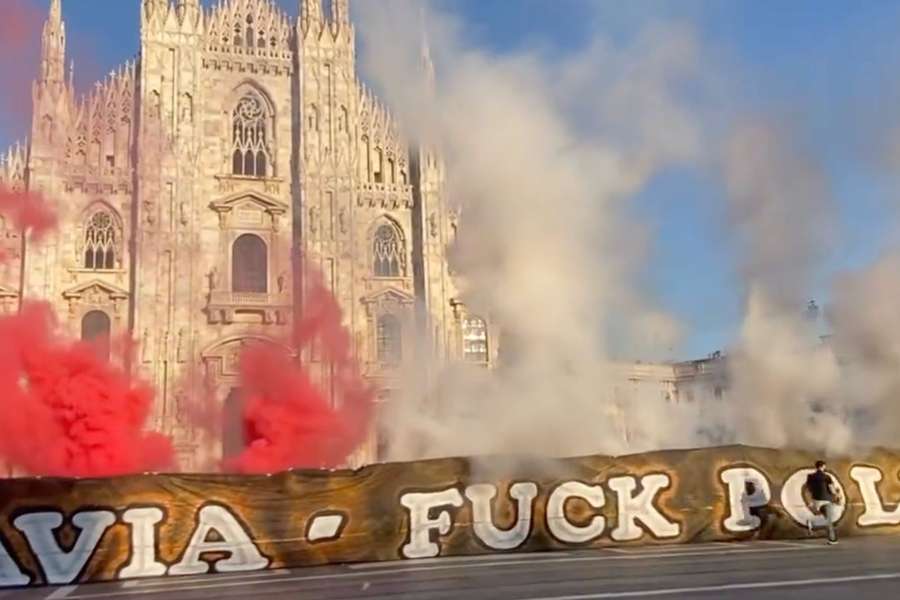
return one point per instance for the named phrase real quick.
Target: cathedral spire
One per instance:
(427, 64)
(154, 10)
(340, 13)
(188, 11)
(311, 10)
(53, 48)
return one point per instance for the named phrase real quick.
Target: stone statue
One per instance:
(313, 219)
(432, 222)
(179, 351)
(148, 212)
(282, 282)
(145, 346)
(214, 279)
(187, 108)
(154, 104)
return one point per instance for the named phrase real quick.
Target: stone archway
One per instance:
(221, 365)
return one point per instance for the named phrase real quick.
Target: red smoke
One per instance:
(27, 212)
(289, 422)
(64, 409)
(20, 38)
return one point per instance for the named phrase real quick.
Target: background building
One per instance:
(194, 181)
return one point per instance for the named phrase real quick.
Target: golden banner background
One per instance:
(411, 510)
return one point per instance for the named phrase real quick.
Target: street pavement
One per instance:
(858, 568)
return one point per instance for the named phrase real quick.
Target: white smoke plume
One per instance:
(542, 155)
(789, 387)
(865, 317)
(783, 378)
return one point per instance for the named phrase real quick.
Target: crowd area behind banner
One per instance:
(56, 531)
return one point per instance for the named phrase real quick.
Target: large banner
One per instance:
(71, 531)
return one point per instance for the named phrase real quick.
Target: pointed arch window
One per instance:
(388, 251)
(249, 265)
(251, 35)
(378, 166)
(475, 340)
(101, 241)
(95, 329)
(250, 137)
(389, 340)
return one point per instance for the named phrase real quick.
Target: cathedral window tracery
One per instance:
(250, 137)
(101, 241)
(388, 251)
(475, 340)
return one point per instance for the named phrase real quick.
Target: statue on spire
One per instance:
(53, 48)
(340, 13)
(311, 10)
(188, 11)
(427, 63)
(56, 10)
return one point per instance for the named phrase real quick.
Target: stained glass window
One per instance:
(388, 252)
(100, 242)
(250, 149)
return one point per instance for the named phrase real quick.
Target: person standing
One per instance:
(825, 497)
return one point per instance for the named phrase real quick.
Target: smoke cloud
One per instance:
(65, 410)
(289, 421)
(542, 155)
(20, 38)
(782, 214)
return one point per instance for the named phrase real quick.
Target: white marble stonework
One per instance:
(239, 131)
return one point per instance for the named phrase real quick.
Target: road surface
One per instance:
(858, 568)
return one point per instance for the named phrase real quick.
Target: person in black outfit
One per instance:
(824, 498)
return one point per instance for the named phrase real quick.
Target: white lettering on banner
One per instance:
(641, 508)
(143, 561)
(793, 503)
(59, 566)
(740, 501)
(421, 524)
(244, 555)
(875, 514)
(10, 573)
(480, 496)
(559, 524)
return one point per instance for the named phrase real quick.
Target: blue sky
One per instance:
(828, 66)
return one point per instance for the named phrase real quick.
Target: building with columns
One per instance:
(194, 181)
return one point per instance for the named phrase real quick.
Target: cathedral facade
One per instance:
(194, 182)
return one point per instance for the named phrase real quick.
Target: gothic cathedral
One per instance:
(193, 181)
